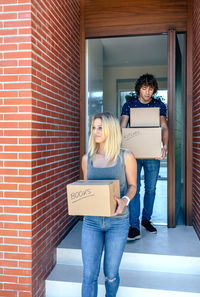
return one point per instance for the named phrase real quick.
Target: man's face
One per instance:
(146, 93)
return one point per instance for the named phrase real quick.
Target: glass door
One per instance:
(176, 103)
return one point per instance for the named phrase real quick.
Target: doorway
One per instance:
(112, 67)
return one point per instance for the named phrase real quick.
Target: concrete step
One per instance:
(164, 265)
(74, 290)
(65, 281)
(140, 262)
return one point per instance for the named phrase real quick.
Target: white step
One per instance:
(163, 265)
(65, 281)
(70, 289)
(140, 262)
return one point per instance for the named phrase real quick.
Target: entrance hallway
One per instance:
(159, 216)
(166, 264)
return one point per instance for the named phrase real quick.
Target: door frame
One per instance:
(188, 128)
(171, 122)
(171, 210)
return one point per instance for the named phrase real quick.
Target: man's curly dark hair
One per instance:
(146, 80)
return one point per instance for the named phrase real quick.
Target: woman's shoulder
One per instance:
(85, 158)
(127, 154)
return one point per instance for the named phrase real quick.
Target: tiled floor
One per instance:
(181, 241)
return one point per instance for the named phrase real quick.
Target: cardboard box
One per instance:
(145, 117)
(93, 197)
(145, 143)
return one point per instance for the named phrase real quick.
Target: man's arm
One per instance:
(165, 136)
(124, 121)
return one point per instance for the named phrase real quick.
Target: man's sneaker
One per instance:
(148, 226)
(133, 233)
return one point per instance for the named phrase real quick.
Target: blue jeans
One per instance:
(98, 233)
(151, 170)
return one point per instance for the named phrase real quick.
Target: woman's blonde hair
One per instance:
(111, 131)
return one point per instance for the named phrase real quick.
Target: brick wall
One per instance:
(39, 136)
(196, 116)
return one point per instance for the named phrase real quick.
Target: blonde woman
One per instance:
(105, 160)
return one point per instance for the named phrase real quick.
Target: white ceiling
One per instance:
(135, 51)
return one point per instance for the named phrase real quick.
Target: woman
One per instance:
(106, 161)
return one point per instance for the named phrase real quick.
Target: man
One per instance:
(146, 86)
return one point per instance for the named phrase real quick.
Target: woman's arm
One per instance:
(131, 176)
(84, 165)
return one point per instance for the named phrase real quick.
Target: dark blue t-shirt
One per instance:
(135, 103)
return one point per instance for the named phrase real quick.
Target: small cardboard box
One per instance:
(93, 197)
(145, 117)
(145, 143)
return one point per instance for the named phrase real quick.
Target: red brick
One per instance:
(25, 249)
(8, 47)
(8, 2)
(24, 195)
(6, 217)
(8, 293)
(17, 8)
(5, 156)
(17, 210)
(10, 279)
(19, 226)
(23, 264)
(17, 287)
(16, 24)
(5, 125)
(8, 233)
(8, 94)
(17, 164)
(8, 248)
(18, 86)
(17, 241)
(8, 202)
(8, 32)
(8, 63)
(8, 187)
(17, 256)
(18, 70)
(6, 263)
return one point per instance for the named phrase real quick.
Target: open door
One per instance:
(176, 113)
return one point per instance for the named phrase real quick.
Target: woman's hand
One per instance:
(121, 203)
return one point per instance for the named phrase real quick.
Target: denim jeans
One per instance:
(98, 233)
(151, 170)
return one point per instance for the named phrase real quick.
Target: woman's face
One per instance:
(97, 131)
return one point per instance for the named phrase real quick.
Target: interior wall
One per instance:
(112, 74)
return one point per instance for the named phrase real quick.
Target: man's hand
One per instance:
(163, 153)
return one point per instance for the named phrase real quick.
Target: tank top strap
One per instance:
(120, 159)
(89, 160)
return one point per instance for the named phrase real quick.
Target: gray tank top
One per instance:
(107, 173)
